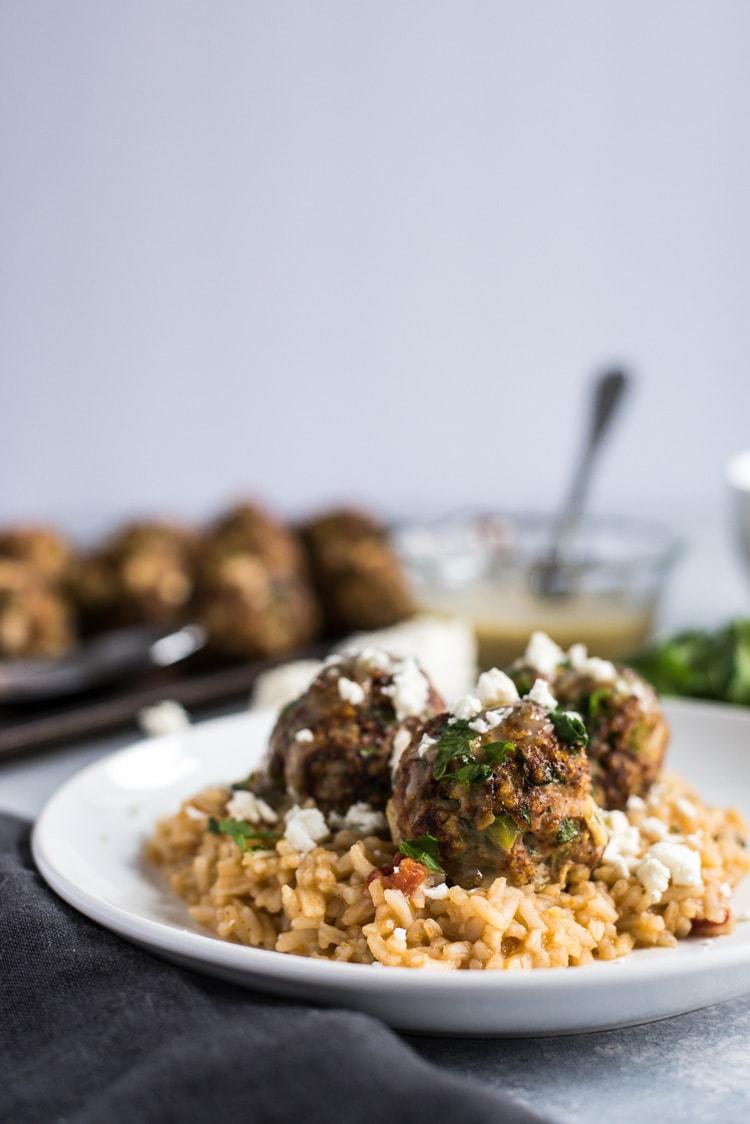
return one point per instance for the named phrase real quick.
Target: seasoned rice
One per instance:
(332, 903)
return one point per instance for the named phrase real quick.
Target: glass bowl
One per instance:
(485, 567)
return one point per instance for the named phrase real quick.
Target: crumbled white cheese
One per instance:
(654, 828)
(436, 893)
(636, 804)
(668, 861)
(247, 806)
(166, 717)
(400, 934)
(304, 827)
(543, 654)
(635, 687)
(495, 688)
(656, 794)
(372, 659)
(541, 694)
(401, 740)
(496, 716)
(489, 720)
(304, 736)
(624, 844)
(683, 863)
(467, 707)
(426, 743)
(602, 671)
(653, 875)
(409, 690)
(351, 691)
(361, 817)
(685, 808)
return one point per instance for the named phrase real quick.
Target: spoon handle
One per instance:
(607, 396)
(549, 578)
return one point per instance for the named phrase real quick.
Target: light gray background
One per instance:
(325, 250)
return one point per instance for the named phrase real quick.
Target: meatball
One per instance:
(506, 792)
(36, 620)
(627, 730)
(253, 594)
(144, 573)
(334, 744)
(359, 579)
(44, 549)
(247, 528)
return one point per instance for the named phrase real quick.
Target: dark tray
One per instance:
(197, 684)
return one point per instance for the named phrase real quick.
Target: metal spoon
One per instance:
(551, 576)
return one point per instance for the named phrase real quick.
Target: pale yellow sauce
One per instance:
(504, 620)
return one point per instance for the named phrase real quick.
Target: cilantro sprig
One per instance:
(456, 740)
(424, 849)
(701, 664)
(569, 829)
(570, 727)
(241, 831)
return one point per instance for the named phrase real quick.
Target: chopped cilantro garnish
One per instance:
(471, 773)
(570, 727)
(596, 701)
(524, 683)
(241, 831)
(424, 849)
(497, 752)
(568, 830)
(456, 739)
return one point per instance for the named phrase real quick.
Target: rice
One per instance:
(343, 900)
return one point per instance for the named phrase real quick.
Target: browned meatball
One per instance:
(335, 743)
(36, 620)
(358, 577)
(248, 528)
(144, 573)
(44, 549)
(627, 730)
(250, 611)
(253, 594)
(507, 792)
(628, 733)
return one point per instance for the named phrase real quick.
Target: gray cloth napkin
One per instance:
(96, 1031)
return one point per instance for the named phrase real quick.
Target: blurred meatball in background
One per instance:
(36, 618)
(45, 550)
(144, 573)
(358, 578)
(253, 594)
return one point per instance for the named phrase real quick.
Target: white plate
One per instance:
(88, 840)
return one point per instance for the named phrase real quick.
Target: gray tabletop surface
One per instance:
(692, 1067)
